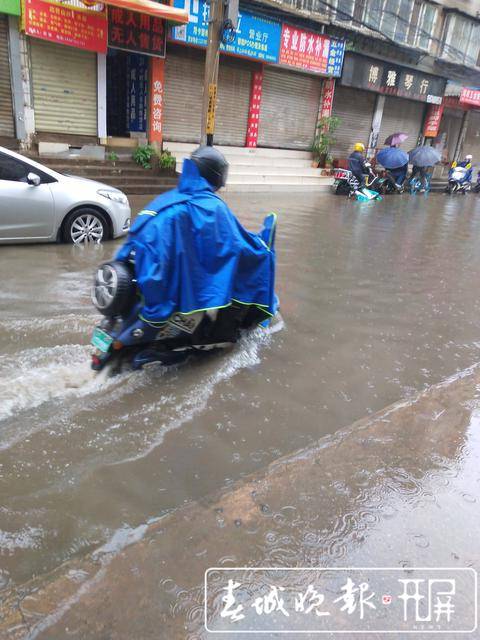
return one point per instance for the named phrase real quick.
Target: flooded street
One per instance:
(379, 302)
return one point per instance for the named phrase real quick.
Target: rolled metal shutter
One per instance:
(7, 127)
(289, 109)
(450, 126)
(234, 80)
(402, 115)
(182, 107)
(472, 137)
(355, 109)
(64, 88)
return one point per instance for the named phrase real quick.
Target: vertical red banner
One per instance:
(157, 86)
(254, 108)
(328, 91)
(432, 121)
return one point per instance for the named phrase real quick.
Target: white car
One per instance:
(38, 204)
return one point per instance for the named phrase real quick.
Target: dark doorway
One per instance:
(127, 81)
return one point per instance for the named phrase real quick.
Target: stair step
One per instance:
(186, 149)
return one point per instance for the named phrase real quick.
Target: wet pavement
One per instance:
(379, 302)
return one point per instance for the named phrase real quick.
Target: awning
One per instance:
(151, 8)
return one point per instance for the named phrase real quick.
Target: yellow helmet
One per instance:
(359, 146)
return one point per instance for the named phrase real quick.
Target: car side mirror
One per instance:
(33, 179)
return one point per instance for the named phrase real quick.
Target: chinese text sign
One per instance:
(78, 28)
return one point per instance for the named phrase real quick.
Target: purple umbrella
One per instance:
(396, 138)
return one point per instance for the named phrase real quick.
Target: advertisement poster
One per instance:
(257, 37)
(311, 51)
(156, 100)
(136, 32)
(137, 78)
(254, 109)
(432, 121)
(75, 27)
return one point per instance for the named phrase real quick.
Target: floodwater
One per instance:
(379, 301)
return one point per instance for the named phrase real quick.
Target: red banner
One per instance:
(328, 92)
(304, 49)
(432, 121)
(254, 109)
(61, 24)
(136, 32)
(470, 96)
(157, 86)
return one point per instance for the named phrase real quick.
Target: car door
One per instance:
(26, 210)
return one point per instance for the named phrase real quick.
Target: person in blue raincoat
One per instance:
(190, 253)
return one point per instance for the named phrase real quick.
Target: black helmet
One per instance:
(212, 166)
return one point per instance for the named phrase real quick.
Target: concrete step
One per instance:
(244, 161)
(185, 149)
(146, 189)
(276, 180)
(319, 186)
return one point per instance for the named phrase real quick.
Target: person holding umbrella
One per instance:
(394, 159)
(422, 158)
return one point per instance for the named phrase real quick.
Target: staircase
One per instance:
(263, 169)
(125, 175)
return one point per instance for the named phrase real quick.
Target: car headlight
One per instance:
(116, 196)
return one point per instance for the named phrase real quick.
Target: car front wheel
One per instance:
(84, 226)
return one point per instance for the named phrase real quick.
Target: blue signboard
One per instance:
(137, 80)
(257, 36)
(335, 58)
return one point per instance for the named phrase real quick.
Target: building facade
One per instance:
(99, 73)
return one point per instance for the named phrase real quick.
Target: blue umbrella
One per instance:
(392, 157)
(424, 156)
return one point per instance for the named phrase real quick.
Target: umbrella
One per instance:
(392, 158)
(424, 156)
(396, 138)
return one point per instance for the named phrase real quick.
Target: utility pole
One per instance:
(215, 29)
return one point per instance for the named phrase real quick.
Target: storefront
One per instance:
(282, 105)
(90, 74)
(184, 70)
(369, 118)
(7, 122)
(355, 108)
(64, 81)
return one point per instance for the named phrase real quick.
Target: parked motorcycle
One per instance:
(458, 182)
(346, 184)
(124, 341)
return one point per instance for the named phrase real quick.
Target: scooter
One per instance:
(346, 184)
(457, 181)
(123, 340)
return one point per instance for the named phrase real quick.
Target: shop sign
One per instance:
(311, 51)
(257, 36)
(389, 79)
(328, 91)
(470, 96)
(137, 79)
(432, 121)
(254, 109)
(157, 86)
(11, 7)
(65, 24)
(137, 32)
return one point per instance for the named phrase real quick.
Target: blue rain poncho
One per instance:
(191, 253)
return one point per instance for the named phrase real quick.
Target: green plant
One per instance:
(143, 155)
(112, 156)
(167, 161)
(324, 137)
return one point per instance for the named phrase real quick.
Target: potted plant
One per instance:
(324, 139)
